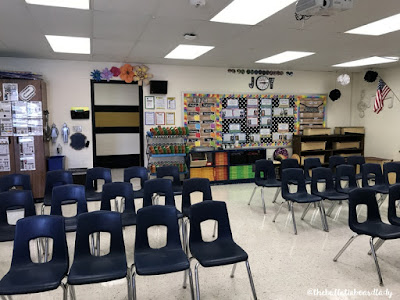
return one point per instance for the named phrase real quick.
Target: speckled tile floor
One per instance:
(284, 265)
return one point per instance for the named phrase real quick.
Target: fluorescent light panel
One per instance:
(188, 52)
(374, 60)
(284, 57)
(79, 4)
(250, 12)
(69, 44)
(379, 27)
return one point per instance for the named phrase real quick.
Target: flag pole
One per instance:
(392, 91)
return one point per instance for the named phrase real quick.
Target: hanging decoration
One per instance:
(370, 76)
(127, 73)
(343, 79)
(335, 94)
(106, 74)
(259, 72)
(96, 75)
(115, 71)
(141, 75)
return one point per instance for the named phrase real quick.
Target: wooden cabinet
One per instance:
(324, 146)
(38, 175)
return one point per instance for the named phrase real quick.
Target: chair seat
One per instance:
(177, 189)
(160, 261)
(395, 221)
(33, 278)
(47, 201)
(377, 229)
(303, 198)
(94, 269)
(7, 233)
(93, 196)
(347, 190)
(218, 253)
(70, 224)
(332, 195)
(138, 194)
(128, 218)
(268, 182)
(381, 189)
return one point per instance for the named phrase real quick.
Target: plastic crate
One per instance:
(207, 173)
(55, 163)
(195, 172)
(221, 173)
(221, 159)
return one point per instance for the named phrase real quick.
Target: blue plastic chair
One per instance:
(334, 162)
(87, 268)
(289, 163)
(168, 259)
(300, 196)
(373, 226)
(220, 252)
(25, 276)
(268, 179)
(310, 164)
(330, 193)
(55, 178)
(120, 189)
(380, 185)
(136, 172)
(7, 182)
(356, 161)
(93, 175)
(171, 171)
(14, 200)
(69, 193)
(346, 173)
(391, 167)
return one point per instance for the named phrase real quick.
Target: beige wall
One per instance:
(68, 85)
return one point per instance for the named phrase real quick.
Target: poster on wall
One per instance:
(149, 118)
(6, 127)
(5, 110)
(160, 102)
(27, 153)
(4, 155)
(171, 103)
(10, 91)
(311, 112)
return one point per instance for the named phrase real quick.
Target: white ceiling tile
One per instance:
(143, 7)
(112, 47)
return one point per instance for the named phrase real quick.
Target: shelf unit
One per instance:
(170, 143)
(300, 142)
(228, 166)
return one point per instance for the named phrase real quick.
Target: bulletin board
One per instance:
(312, 112)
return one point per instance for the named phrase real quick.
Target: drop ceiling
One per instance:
(144, 31)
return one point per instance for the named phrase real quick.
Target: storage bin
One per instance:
(221, 173)
(344, 130)
(349, 154)
(221, 158)
(55, 163)
(321, 158)
(198, 159)
(346, 145)
(316, 131)
(313, 146)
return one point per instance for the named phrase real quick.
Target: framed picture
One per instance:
(160, 118)
(149, 118)
(171, 103)
(170, 118)
(149, 101)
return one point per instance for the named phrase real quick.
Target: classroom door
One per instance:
(117, 124)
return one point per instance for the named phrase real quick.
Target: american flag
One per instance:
(381, 93)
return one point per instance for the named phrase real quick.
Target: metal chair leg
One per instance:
(42, 209)
(251, 198)
(330, 210)
(46, 250)
(233, 271)
(345, 247)
(39, 250)
(215, 229)
(133, 284)
(92, 250)
(98, 243)
(381, 199)
(72, 292)
(64, 288)
(371, 243)
(196, 278)
(191, 283)
(276, 194)
(377, 245)
(293, 219)
(305, 211)
(129, 284)
(262, 199)
(277, 213)
(253, 289)
(323, 216)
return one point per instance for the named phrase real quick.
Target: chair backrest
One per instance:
(95, 174)
(348, 173)
(35, 227)
(67, 192)
(363, 196)
(267, 167)
(356, 160)
(16, 199)
(158, 185)
(289, 163)
(136, 172)
(171, 171)
(391, 167)
(99, 221)
(375, 169)
(17, 180)
(310, 164)
(195, 185)
(293, 175)
(336, 160)
(157, 215)
(118, 189)
(394, 195)
(209, 210)
(322, 174)
(56, 178)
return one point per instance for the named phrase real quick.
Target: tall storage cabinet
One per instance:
(29, 90)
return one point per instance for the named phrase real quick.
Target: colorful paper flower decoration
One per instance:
(141, 75)
(127, 73)
(96, 75)
(115, 71)
(106, 74)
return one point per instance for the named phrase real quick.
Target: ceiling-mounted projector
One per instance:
(322, 7)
